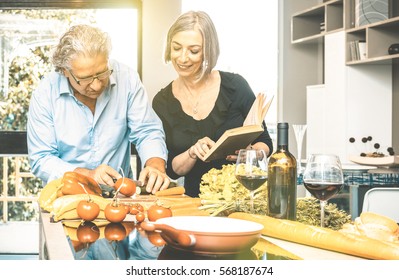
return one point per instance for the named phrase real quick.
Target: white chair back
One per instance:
(383, 201)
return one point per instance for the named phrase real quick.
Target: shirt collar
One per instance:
(112, 80)
(65, 87)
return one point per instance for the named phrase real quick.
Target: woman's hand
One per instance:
(201, 147)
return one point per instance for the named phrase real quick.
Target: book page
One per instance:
(240, 137)
(258, 111)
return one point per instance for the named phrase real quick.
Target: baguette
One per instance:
(64, 207)
(323, 238)
(73, 215)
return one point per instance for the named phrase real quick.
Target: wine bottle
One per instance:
(282, 178)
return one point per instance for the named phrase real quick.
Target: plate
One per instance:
(376, 161)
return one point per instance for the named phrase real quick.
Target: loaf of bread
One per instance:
(374, 226)
(324, 238)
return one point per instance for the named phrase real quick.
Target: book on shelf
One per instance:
(358, 50)
(352, 50)
(362, 50)
(240, 137)
(322, 27)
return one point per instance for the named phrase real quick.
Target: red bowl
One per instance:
(207, 235)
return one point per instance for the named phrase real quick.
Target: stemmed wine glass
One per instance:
(251, 170)
(299, 130)
(323, 178)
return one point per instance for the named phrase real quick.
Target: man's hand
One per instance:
(153, 176)
(103, 174)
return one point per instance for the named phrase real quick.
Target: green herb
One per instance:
(222, 194)
(308, 212)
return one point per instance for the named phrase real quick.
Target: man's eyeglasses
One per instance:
(87, 81)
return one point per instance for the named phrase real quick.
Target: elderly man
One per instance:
(84, 115)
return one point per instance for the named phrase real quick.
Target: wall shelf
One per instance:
(381, 60)
(378, 37)
(338, 15)
(314, 23)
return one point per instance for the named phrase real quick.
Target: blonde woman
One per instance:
(201, 103)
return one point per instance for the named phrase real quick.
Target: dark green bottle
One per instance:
(282, 178)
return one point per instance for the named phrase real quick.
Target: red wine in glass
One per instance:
(323, 191)
(323, 178)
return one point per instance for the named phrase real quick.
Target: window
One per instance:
(26, 38)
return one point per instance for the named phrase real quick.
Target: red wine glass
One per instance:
(323, 178)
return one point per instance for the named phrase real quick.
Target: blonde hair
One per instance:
(197, 20)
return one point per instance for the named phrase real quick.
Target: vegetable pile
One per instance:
(222, 195)
(73, 198)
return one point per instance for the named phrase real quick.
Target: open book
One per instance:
(240, 137)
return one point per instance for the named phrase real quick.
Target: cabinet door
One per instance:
(315, 119)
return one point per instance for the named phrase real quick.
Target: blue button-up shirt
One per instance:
(64, 134)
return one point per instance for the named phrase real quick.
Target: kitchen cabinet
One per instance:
(354, 98)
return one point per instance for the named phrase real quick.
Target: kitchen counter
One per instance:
(57, 244)
(53, 244)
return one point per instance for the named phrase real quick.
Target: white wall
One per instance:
(299, 66)
(158, 15)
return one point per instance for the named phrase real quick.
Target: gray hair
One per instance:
(80, 40)
(200, 20)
